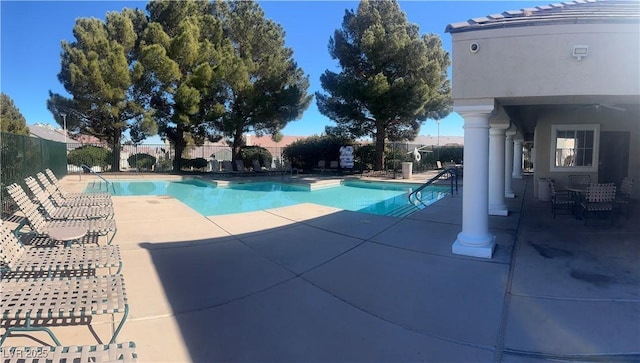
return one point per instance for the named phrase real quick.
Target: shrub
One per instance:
(251, 153)
(197, 163)
(90, 156)
(141, 161)
(449, 153)
(305, 154)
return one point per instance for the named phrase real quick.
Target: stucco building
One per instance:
(563, 78)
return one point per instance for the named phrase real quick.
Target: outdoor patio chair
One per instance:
(56, 183)
(560, 198)
(54, 212)
(599, 199)
(41, 226)
(16, 258)
(623, 198)
(34, 304)
(228, 167)
(117, 352)
(257, 168)
(240, 167)
(578, 180)
(75, 199)
(322, 165)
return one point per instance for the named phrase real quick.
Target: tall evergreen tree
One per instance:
(392, 79)
(264, 88)
(99, 69)
(183, 54)
(11, 119)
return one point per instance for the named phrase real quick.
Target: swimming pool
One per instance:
(211, 199)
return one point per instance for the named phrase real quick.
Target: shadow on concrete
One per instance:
(353, 287)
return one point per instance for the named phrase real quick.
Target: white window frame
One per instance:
(575, 127)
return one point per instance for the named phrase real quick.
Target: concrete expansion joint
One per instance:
(211, 306)
(404, 327)
(452, 256)
(613, 357)
(582, 299)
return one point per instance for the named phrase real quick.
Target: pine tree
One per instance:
(264, 87)
(391, 81)
(183, 58)
(11, 120)
(99, 69)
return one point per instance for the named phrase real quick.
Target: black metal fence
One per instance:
(22, 156)
(157, 157)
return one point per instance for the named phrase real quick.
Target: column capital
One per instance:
(473, 109)
(498, 129)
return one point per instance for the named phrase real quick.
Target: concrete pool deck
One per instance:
(310, 283)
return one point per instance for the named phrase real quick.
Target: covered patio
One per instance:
(562, 78)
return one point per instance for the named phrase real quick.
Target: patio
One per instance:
(311, 283)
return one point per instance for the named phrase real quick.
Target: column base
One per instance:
(516, 176)
(484, 248)
(499, 211)
(509, 195)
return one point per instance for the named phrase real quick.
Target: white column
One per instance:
(497, 206)
(508, 165)
(475, 239)
(517, 158)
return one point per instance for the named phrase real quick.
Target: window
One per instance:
(574, 147)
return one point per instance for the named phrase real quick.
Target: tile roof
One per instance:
(568, 12)
(265, 141)
(48, 132)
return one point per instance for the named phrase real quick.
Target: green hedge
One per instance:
(251, 153)
(305, 154)
(141, 161)
(90, 156)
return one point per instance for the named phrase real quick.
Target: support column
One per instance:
(517, 158)
(508, 165)
(475, 239)
(497, 206)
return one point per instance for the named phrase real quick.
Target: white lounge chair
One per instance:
(42, 226)
(31, 304)
(16, 258)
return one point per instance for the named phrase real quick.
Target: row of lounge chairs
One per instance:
(255, 169)
(44, 284)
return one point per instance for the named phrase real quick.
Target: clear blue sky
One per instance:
(31, 33)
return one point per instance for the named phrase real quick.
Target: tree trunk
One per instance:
(115, 160)
(179, 145)
(238, 142)
(380, 138)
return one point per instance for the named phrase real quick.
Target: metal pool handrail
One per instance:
(414, 196)
(85, 167)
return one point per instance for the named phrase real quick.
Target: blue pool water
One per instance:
(210, 199)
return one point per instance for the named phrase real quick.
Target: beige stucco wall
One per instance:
(537, 61)
(608, 121)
